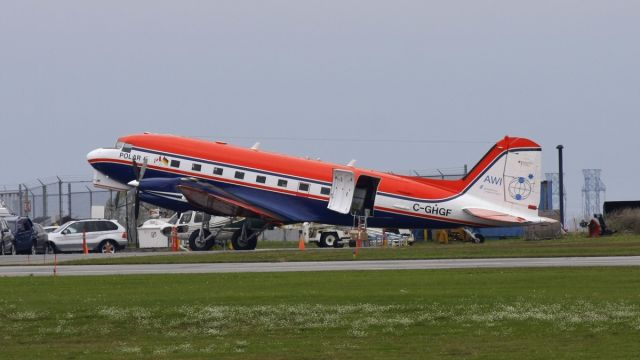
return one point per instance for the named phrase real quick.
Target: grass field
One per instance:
(569, 246)
(577, 313)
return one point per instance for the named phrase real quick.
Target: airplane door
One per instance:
(342, 191)
(349, 196)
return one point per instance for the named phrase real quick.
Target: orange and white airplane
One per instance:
(183, 174)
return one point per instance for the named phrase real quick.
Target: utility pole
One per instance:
(561, 178)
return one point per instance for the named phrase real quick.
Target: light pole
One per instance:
(561, 184)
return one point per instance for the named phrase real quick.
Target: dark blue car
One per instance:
(26, 237)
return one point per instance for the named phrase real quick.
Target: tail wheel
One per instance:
(478, 239)
(248, 243)
(108, 247)
(200, 244)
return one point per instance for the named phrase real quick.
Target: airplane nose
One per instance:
(93, 155)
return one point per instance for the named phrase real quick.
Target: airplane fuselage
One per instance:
(298, 189)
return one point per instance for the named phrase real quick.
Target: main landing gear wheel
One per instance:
(330, 240)
(200, 244)
(246, 242)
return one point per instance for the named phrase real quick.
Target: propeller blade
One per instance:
(136, 170)
(136, 206)
(143, 169)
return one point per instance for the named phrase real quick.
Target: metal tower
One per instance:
(555, 190)
(591, 191)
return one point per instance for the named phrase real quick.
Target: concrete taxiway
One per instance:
(84, 270)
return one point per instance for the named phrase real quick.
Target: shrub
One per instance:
(626, 220)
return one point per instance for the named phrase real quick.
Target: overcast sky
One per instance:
(452, 77)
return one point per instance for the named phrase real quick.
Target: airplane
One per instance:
(268, 189)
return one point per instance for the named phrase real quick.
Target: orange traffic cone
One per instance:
(301, 243)
(174, 239)
(85, 248)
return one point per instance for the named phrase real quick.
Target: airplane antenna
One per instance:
(352, 162)
(255, 146)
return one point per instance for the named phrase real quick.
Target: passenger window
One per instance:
(218, 171)
(261, 179)
(196, 167)
(325, 191)
(175, 163)
(127, 148)
(108, 226)
(303, 187)
(75, 228)
(282, 183)
(198, 217)
(92, 226)
(239, 175)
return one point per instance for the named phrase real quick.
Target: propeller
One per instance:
(138, 172)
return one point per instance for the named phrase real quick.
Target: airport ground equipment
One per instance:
(464, 234)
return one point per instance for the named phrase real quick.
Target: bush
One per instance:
(627, 220)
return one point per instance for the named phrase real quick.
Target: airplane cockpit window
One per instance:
(119, 144)
(127, 148)
(186, 217)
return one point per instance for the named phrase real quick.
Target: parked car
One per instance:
(26, 237)
(6, 239)
(41, 238)
(105, 236)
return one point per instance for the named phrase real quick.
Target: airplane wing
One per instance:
(217, 201)
(492, 215)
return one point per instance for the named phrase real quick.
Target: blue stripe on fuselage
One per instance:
(296, 208)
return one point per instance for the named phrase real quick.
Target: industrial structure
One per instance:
(592, 190)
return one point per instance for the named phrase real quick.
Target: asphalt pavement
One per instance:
(84, 270)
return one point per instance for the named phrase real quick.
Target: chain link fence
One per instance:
(51, 200)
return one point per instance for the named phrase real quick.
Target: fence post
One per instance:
(20, 204)
(59, 201)
(44, 199)
(69, 196)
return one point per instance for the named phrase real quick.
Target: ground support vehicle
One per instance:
(331, 236)
(458, 234)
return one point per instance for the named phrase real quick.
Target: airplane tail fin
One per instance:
(508, 179)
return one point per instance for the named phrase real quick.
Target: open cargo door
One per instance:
(342, 191)
(349, 196)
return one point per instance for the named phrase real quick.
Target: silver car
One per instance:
(105, 236)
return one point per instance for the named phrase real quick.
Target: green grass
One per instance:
(577, 313)
(569, 246)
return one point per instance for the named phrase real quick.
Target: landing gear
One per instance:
(244, 239)
(201, 243)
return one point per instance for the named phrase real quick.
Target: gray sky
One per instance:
(453, 76)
